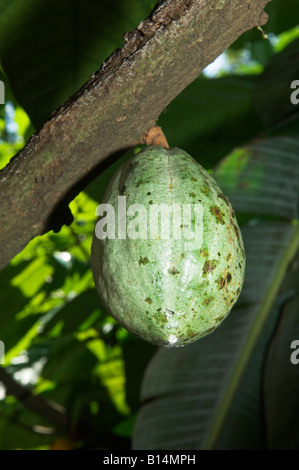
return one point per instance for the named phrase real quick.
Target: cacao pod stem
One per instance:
(155, 136)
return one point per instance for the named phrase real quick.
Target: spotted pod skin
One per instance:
(161, 289)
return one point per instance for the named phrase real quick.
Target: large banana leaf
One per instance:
(281, 384)
(214, 393)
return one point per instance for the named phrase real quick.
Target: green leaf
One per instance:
(13, 301)
(281, 389)
(243, 427)
(84, 309)
(263, 177)
(136, 354)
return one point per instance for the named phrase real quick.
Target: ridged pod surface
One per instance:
(167, 288)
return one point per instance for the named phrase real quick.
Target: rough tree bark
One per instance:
(113, 110)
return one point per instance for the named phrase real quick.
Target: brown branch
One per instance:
(113, 110)
(35, 429)
(52, 412)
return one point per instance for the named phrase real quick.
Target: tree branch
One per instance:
(113, 110)
(53, 412)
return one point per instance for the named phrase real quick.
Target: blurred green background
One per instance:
(72, 378)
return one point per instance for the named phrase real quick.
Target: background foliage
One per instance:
(91, 384)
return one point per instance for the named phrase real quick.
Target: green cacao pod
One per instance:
(167, 254)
